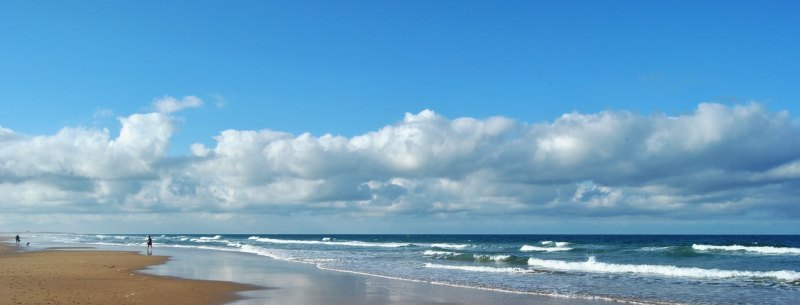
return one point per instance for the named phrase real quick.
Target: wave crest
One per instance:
(754, 249)
(593, 266)
(439, 253)
(449, 246)
(479, 268)
(329, 243)
(528, 248)
(204, 239)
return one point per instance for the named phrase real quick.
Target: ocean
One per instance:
(644, 269)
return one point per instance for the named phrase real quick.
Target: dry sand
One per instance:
(99, 277)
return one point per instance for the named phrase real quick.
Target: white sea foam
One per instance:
(326, 239)
(528, 248)
(329, 243)
(215, 238)
(450, 246)
(559, 244)
(231, 247)
(211, 238)
(753, 249)
(478, 268)
(496, 258)
(593, 266)
(655, 249)
(264, 252)
(439, 253)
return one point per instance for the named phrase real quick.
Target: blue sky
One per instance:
(529, 78)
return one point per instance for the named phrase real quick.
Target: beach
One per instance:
(82, 276)
(413, 269)
(57, 273)
(306, 284)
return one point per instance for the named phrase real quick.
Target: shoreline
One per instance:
(292, 282)
(86, 276)
(306, 284)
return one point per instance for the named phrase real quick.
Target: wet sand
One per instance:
(100, 277)
(305, 284)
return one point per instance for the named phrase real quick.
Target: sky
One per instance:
(532, 117)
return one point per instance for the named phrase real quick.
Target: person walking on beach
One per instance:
(18, 240)
(149, 243)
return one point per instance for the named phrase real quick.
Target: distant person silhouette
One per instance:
(18, 239)
(149, 245)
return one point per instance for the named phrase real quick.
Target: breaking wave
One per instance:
(439, 253)
(559, 244)
(528, 248)
(329, 243)
(449, 246)
(479, 268)
(492, 258)
(204, 239)
(752, 249)
(593, 266)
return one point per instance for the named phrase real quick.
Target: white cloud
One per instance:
(102, 113)
(717, 161)
(595, 195)
(199, 150)
(168, 104)
(88, 153)
(76, 167)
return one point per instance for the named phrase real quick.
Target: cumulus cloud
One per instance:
(77, 167)
(168, 104)
(718, 161)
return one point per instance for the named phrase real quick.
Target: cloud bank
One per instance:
(717, 161)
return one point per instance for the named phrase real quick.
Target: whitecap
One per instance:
(655, 249)
(450, 246)
(478, 268)
(752, 249)
(496, 258)
(528, 248)
(329, 243)
(204, 239)
(559, 244)
(211, 238)
(439, 253)
(593, 266)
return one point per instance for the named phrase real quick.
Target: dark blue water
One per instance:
(684, 269)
